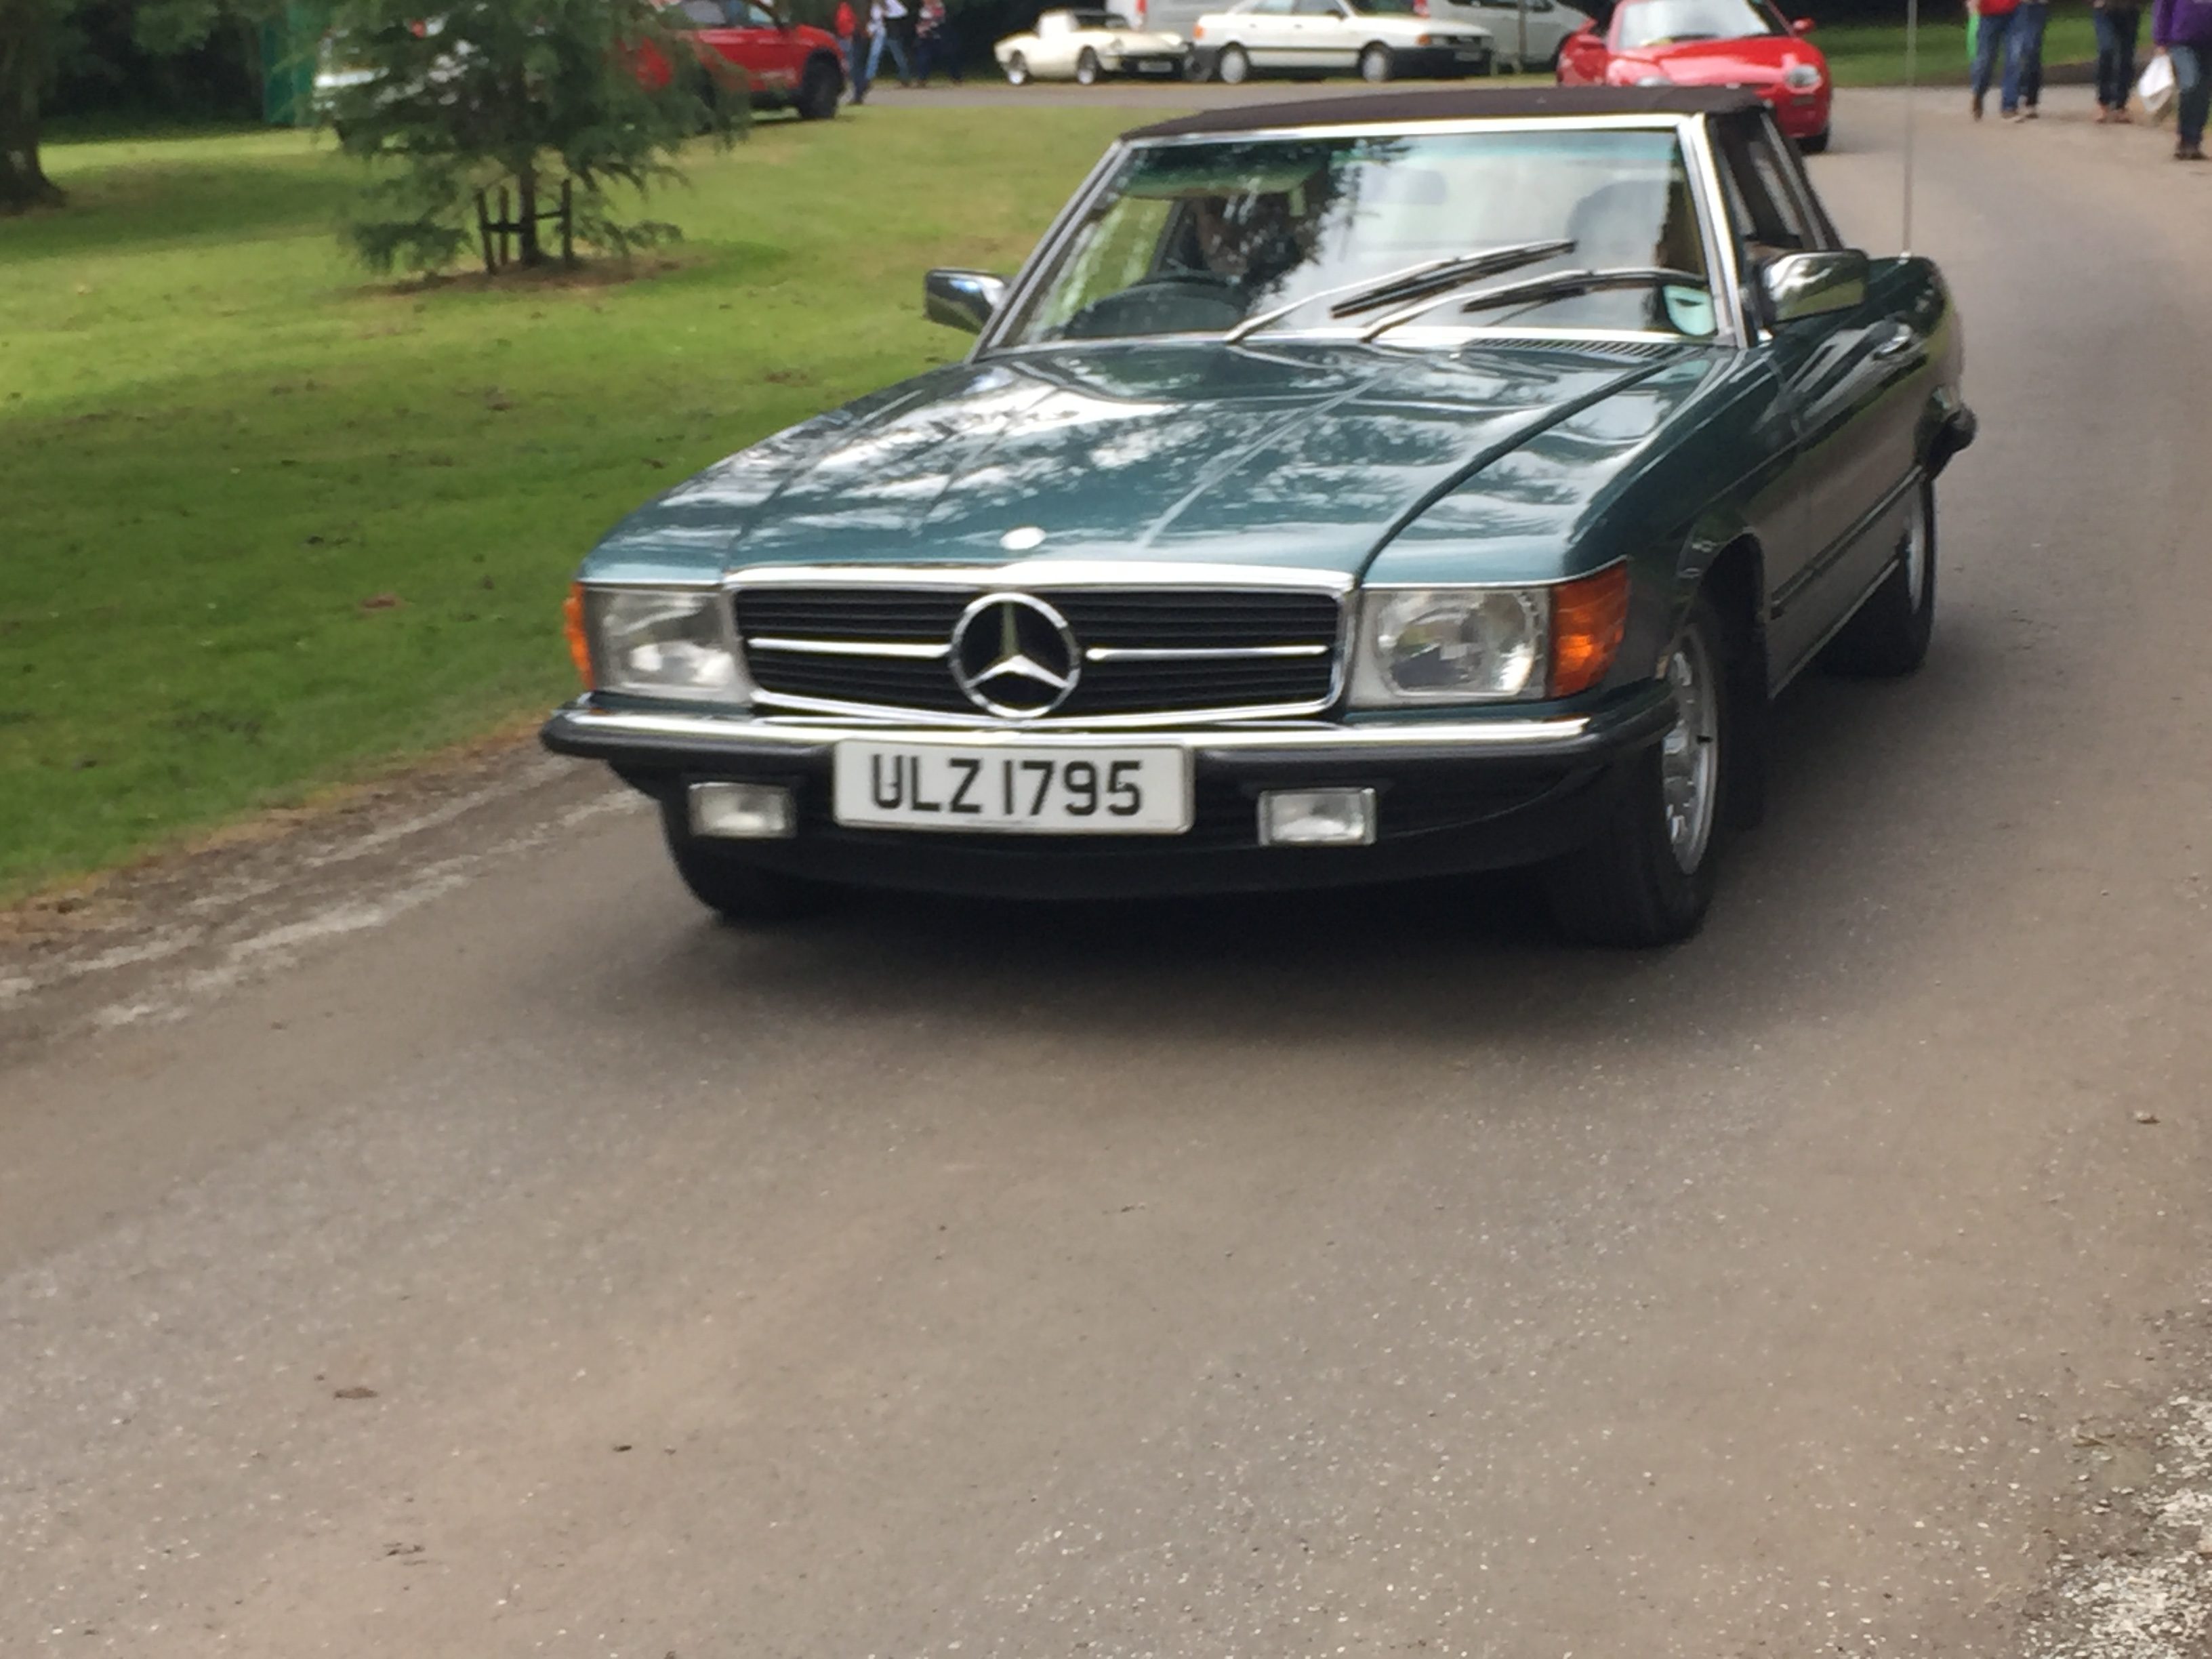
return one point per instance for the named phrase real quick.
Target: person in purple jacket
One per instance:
(2182, 29)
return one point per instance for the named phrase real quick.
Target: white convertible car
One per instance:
(1084, 46)
(1384, 39)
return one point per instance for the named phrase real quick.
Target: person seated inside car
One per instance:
(1220, 258)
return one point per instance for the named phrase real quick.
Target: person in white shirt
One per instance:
(889, 19)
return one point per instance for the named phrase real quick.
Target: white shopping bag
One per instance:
(2155, 87)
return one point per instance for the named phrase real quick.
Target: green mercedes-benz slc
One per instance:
(1343, 491)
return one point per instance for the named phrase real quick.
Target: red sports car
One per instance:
(786, 66)
(1709, 43)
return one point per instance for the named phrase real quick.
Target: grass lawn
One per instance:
(1873, 55)
(265, 526)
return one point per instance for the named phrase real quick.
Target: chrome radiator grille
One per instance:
(1134, 651)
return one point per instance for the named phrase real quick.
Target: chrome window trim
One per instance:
(1693, 132)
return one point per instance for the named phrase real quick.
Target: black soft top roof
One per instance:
(1457, 104)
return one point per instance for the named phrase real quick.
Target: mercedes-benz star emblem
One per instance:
(1014, 656)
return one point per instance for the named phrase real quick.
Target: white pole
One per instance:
(1912, 63)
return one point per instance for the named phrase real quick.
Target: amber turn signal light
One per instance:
(1588, 618)
(580, 643)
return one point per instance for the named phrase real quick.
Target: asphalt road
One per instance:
(424, 1234)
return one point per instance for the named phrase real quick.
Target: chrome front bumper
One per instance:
(664, 738)
(1458, 794)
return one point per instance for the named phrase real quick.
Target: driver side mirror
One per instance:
(1801, 25)
(1801, 285)
(963, 299)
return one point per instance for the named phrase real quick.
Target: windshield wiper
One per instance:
(1558, 285)
(1430, 278)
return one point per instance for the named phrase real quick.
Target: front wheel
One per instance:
(1647, 876)
(820, 91)
(1890, 634)
(1018, 70)
(1234, 67)
(1374, 64)
(725, 884)
(1086, 68)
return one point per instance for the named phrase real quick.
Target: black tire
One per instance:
(1376, 63)
(1086, 68)
(1197, 65)
(1890, 634)
(821, 89)
(1018, 70)
(721, 878)
(1815, 144)
(1233, 66)
(1630, 885)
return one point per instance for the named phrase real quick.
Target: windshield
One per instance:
(1657, 22)
(1195, 238)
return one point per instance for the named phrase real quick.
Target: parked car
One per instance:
(1084, 47)
(1354, 489)
(1547, 22)
(786, 66)
(1710, 43)
(1382, 40)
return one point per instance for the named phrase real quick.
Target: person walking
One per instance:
(2028, 22)
(887, 19)
(934, 43)
(851, 24)
(1992, 30)
(2119, 22)
(2182, 30)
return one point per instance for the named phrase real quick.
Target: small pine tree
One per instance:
(531, 94)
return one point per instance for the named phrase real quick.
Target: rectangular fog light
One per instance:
(744, 811)
(1317, 817)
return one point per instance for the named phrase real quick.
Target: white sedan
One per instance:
(1381, 39)
(1549, 22)
(1084, 45)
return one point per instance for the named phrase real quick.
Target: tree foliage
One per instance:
(598, 93)
(38, 36)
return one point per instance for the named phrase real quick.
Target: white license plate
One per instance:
(1155, 68)
(1015, 789)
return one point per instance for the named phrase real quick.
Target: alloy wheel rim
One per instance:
(1689, 755)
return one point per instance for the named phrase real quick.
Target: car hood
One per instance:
(1310, 457)
(1757, 58)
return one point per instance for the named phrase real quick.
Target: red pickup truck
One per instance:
(786, 66)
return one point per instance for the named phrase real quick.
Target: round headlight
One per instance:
(1803, 77)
